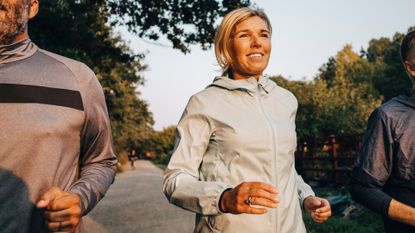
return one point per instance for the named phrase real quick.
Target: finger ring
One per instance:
(248, 201)
(60, 225)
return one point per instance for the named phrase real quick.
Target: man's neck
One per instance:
(20, 37)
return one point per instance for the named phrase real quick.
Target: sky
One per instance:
(305, 34)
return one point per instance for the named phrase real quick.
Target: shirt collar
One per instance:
(250, 84)
(17, 51)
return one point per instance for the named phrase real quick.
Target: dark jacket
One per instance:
(386, 165)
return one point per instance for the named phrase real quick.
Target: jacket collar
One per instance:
(17, 51)
(249, 85)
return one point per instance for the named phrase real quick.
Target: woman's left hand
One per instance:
(318, 208)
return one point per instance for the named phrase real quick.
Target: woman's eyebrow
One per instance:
(247, 30)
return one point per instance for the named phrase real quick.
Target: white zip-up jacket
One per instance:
(236, 131)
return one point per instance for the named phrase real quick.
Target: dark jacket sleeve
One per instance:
(97, 159)
(374, 165)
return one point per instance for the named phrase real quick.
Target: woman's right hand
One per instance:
(249, 198)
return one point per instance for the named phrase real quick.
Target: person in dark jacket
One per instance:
(384, 178)
(56, 157)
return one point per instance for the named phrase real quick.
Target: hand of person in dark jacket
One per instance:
(318, 208)
(249, 197)
(62, 210)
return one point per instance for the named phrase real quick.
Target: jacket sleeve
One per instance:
(97, 159)
(304, 190)
(374, 165)
(181, 183)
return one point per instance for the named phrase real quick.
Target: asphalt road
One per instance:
(135, 204)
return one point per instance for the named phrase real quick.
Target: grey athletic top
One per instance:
(54, 131)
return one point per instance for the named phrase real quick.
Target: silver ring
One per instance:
(248, 201)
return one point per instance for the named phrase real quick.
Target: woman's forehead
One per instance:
(251, 23)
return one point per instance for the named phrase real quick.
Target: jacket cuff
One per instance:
(304, 194)
(220, 200)
(83, 203)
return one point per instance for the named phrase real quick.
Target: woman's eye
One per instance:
(265, 35)
(243, 35)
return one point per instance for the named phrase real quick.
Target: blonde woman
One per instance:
(233, 162)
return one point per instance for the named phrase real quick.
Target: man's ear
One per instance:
(410, 68)
(34, 8)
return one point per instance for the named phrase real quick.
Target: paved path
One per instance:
(135, 204)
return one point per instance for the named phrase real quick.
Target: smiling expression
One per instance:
(251, 47)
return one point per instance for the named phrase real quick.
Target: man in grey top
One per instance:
(384, 179)
(56, 157)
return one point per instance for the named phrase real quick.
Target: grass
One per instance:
(335, 224)
(159, 164)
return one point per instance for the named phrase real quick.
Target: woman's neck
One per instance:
(237, 76)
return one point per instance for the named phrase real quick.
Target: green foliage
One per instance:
(182, 22)
(161, 144)
(338, 101)
(348, 88)
(370, 223)
(389, 78)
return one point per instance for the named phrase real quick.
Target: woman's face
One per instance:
(250, 48)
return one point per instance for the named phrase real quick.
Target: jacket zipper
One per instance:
(274, 178)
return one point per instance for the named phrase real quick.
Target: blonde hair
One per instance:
(225, 30)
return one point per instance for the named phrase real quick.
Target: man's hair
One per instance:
(408, 46)
(225, 30)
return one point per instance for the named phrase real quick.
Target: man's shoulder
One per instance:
(77, 68)
(397, 106)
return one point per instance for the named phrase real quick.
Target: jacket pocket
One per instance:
(218, 223)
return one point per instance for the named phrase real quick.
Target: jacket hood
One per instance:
(406, 100)
(249, 85)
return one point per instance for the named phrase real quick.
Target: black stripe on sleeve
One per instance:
(17, 93)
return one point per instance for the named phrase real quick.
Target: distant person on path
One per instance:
(55, 138)
(233, 162)
(132, 157)
(384, 178)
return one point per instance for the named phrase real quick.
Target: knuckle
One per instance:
(73, 222)
(77, 210)
(51, 226)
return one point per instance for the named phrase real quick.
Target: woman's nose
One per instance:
(255, 43)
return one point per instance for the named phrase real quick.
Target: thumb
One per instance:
(48, 197)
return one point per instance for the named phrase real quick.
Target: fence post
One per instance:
(303, 155)
(333, 152)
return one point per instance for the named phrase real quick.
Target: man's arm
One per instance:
(401, 212)
(97, 159)
(368, 191)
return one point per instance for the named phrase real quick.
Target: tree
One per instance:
(161, 144)
(182, 22)
(338, 101)
(389, 78)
